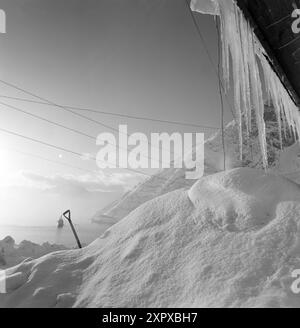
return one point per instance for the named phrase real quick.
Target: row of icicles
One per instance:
(253, 78)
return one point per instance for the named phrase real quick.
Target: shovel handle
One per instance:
(67, 215)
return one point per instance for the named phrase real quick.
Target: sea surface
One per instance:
(87, 233)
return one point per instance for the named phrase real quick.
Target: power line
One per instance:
(68, 108)
(58, 124)
(41, 142)
(60, 148)
(47, 120)
(68, 128)
(47, 159)
(77, 114)
(71, 111)
(74, 152)
(96, 111)
(58, 106)
(221, 95)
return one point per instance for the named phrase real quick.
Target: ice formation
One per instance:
(205, 6)
(253, 77)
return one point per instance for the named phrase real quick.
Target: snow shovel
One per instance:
(67, 215)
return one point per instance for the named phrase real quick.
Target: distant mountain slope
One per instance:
(168, 180)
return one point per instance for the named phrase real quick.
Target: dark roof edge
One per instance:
(271, 56)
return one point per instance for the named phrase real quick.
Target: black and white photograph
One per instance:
(149, 157)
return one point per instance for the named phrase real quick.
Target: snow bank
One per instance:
(168, 180)
(12, 254)
(232, 240)
(289, 162)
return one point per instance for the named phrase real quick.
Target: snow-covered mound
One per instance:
(288, 164)
(12, 254)
(168, 180)
(232, 240)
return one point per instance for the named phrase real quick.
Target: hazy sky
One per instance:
(136, 57)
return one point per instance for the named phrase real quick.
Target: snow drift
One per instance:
(12, 254)
(168, 180)
(232, 240)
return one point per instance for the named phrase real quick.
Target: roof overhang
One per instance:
(272, 23)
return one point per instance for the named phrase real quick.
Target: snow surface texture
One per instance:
(241, 45)
(289, 162)
(232, 240)
(12, 254)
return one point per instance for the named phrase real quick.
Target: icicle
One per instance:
(205, 6)
(238, 39)
(241, 47)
